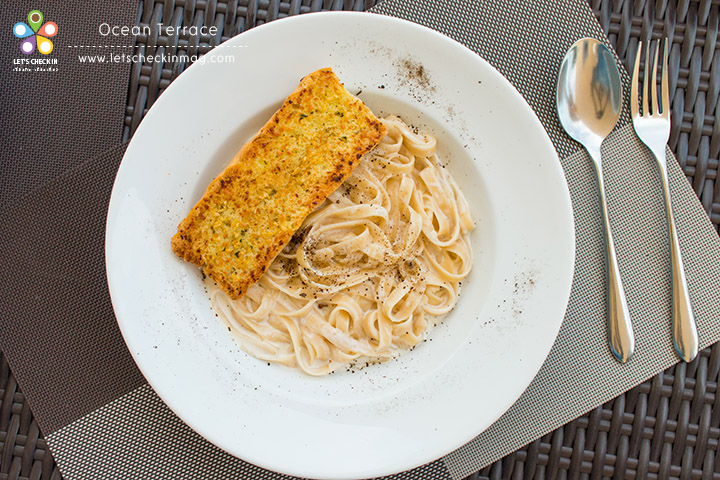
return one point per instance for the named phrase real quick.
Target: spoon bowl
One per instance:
(589, 94)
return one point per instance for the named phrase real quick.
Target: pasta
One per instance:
(369, 271)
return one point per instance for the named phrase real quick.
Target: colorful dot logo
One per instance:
(35, 33)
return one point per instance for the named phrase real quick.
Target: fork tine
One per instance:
(653, 84)
(665, 87)
(634, 85)
(646, 80)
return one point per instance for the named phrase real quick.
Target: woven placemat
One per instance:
(637, 435)
(49, 133)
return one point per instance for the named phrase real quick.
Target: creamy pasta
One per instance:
(369, 271)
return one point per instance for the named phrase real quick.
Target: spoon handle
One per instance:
(620, 333)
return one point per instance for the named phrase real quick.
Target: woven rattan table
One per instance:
(667, 427)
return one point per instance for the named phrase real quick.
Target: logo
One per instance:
(35, 33)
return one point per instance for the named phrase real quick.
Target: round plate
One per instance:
(384, 418)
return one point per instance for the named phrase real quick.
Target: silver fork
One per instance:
(653, 127)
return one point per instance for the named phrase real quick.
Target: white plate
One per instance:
(385, 418)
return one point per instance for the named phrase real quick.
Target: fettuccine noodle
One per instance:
(369, 271)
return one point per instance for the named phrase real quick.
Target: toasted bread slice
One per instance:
(253, 208)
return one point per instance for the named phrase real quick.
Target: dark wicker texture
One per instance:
(667, 427)
(23, 452)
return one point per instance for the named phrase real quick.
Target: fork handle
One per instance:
(620, 333)
(685, 336)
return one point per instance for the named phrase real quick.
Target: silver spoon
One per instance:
(589, 100)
